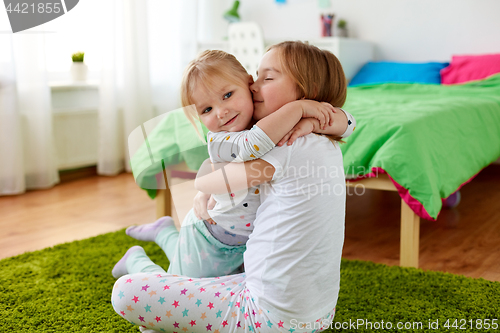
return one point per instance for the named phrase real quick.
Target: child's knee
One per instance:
(117, 296)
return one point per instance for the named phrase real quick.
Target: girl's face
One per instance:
(272, 89)
(226, 107)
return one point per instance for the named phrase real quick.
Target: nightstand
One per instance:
(352, 53)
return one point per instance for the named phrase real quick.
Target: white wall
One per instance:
(402, 30)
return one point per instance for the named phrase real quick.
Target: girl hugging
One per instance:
(299, 90)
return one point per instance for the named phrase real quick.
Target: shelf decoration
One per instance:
(78, 68)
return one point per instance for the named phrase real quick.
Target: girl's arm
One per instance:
(230, 177)
(343, 126)
(279, 123)
(248, 145)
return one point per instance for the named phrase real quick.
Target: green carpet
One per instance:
(67, 289)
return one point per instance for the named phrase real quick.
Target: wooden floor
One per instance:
(464, 240)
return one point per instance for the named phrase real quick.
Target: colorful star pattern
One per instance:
(182, 305)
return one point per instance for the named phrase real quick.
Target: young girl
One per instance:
(292, 260)
(218, 85)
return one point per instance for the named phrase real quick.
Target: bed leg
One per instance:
(164, 199)
(410, 234)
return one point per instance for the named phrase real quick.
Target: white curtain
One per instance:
(150, 44)
(27, 150)
(145, 46)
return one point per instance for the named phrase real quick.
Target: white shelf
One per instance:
(73, 85)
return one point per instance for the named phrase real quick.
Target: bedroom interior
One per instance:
(381, 42)
(86, 194)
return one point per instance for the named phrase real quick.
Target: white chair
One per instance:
(246, 43)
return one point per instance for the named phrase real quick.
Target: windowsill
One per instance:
(73, 85)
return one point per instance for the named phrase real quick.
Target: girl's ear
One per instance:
(250, 80)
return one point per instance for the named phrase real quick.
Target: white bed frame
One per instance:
(410, 222)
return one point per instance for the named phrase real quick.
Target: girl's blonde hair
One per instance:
(209, 66)
(318, 73)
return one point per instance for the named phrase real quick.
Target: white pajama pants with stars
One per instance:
(173, 303)
(192, 251)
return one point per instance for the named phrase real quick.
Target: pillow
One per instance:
(470, 67)
(383, 72)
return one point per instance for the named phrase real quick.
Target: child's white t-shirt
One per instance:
(235, 213)
(292, 261)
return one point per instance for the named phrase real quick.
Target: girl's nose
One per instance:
(221, 112)
(253, 87)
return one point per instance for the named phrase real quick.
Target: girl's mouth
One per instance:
(231, 121)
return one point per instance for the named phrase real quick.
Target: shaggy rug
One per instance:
(67, 288)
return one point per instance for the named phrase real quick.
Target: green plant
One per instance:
(342, 24)
(78, 57)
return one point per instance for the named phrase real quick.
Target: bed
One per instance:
(424, 141)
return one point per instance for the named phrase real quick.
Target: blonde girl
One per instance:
(217, 85)
(292, 260)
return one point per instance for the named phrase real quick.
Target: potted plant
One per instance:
(78, 68)
(342, 28)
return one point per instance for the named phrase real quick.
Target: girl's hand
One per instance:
(304, 126)
(202, 202)
(322, 111)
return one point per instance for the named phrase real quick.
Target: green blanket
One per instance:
(430, 139)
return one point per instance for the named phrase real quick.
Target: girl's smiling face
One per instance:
(273, 89)
(225, 107)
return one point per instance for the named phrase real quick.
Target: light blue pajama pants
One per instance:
(192, 251)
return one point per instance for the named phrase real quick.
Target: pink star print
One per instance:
(122, 313)
(176, 324)
(129, 281)
(183, 291)
(135, 299)
(166, 287)
(217, 294)
(192, 323)
(176, 303)
(224, 323)
(210, 305)
(202, 290)
(257, 324)
(209, 327)
(280, 324)
(158, 319)
(145, 288)
(141, 318)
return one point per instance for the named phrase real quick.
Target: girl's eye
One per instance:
(268, 79)
(229, 94)
(207, 110)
